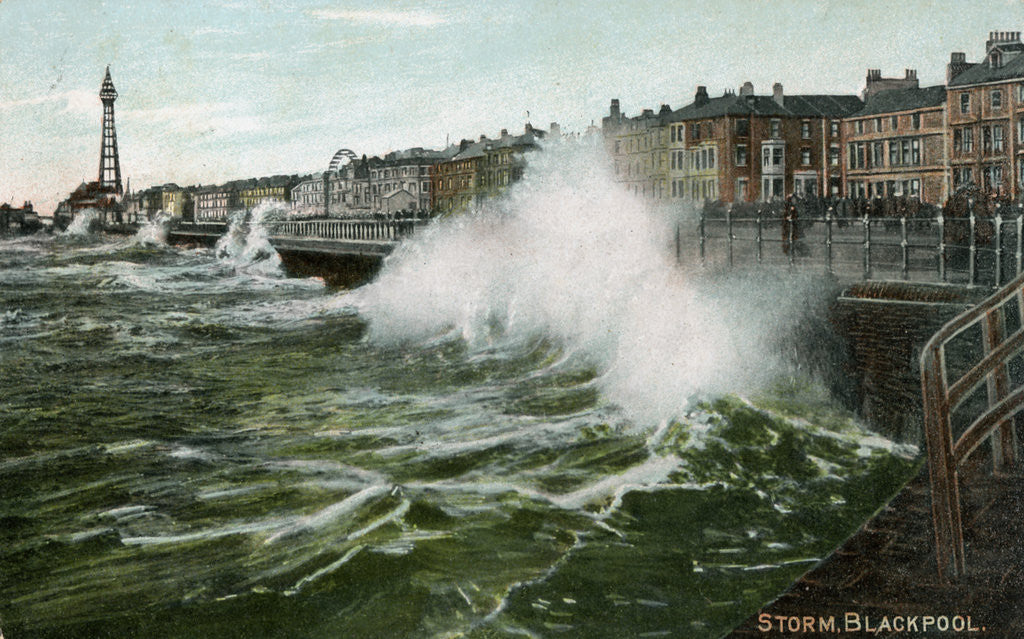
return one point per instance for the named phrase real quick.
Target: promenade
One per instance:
(884, 577)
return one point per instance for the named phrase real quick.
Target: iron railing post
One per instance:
(942, 247)
(972, 252)
(904, 247)
(728, 231)
(703, 238)
(867, 247)
(997, 224)
(828, 240)
(760, 238)
(1020, 240)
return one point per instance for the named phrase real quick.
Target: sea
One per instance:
(535, 421)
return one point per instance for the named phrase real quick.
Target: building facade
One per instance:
(985, 114)
(736, 148)
(481, 169)
(896, 146)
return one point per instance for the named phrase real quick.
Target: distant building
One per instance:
(985, 115)
(480, 169)
(896, 145)
(736, 148)
(401, 181)
(216, 203)
(277, 188)
(23, 220)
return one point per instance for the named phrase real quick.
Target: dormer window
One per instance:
(996, 59)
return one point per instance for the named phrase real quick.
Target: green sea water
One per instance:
(194, 447)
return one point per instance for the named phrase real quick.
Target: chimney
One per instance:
(648, 113)
(910, 74)
(664, 109)
(957, 64)
(614, 111)
(554, 130)
(701, 98)
(777, 92)
(482, 137)
(504, 133)
(747, 88)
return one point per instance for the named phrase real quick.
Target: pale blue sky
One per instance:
(221, 90)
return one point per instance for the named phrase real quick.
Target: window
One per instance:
(996, 99)
(833, 155)
(915, 121)
(695, 132)
(767, 186)
(997, 138)
(878, 154)
(986, 139)
(805, 130)
(777, 156)
(1020, 131)
(963, 175)
(963, 140)
(878, 125)
(965, 103)
(1020, 93)
(805, 156)
(775, 128)
(992, 177)
(742, 186)
(834, 126)
(741, 155)
(742, 128)
(856, 155)
(894, 122)
(858, 126)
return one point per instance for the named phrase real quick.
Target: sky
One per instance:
(213, 91)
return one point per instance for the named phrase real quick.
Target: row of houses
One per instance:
(414, 182)
(895, 139)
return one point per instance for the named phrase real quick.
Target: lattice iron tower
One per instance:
(110, 166)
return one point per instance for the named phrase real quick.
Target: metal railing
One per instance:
(350, 229)
(976, 250)
(954, 402)
(368, 230)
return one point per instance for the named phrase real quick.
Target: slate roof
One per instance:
(895, 100)
(982, 73)
(764, 105)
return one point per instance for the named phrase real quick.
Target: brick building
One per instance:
(481, 169)
(737, 147)
(985, 114)
(896, 145)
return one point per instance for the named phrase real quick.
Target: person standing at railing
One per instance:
(790, 226)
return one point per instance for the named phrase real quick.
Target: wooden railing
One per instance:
(954, 402)
(973, 250)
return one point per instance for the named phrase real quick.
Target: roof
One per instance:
(895, 100)
(474, 150)
(766, 105)
(983, 73)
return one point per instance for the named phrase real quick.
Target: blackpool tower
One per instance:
(110, 167)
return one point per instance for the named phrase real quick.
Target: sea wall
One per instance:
(885, 326)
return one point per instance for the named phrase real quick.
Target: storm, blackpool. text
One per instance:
(856, 622)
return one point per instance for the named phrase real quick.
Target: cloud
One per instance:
(383, 17)
(76, 102)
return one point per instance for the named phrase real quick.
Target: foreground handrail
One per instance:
(943, 397)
